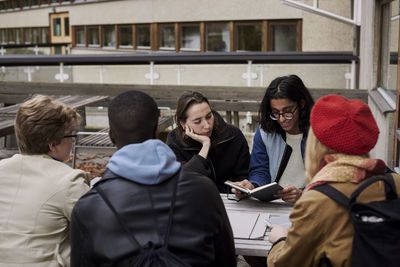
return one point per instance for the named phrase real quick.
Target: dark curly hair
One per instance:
(290, 87)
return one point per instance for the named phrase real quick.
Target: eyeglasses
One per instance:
(287, 115)
(70, 136)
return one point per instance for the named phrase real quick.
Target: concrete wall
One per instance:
(384, 148)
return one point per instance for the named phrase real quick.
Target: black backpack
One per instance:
(150, 255)
(376, 224)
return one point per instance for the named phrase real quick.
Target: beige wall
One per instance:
(319, 33)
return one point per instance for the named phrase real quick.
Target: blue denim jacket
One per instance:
(267, 156)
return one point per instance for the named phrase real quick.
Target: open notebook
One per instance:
(248, 225)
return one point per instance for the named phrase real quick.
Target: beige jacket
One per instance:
(321, 228)
(37, 194)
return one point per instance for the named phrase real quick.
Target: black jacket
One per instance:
(200, 235)
(227, 160)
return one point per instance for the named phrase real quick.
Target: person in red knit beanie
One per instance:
(342, 133)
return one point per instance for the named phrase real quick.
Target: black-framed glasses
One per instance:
(70, 136)
(288, 115)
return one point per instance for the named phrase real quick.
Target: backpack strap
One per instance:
(119, 218)
(390, 187)
(333, 193)
(171, 211)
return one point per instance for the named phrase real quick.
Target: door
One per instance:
(60, 31)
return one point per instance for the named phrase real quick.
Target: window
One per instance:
(3, 36)
(93, 36)
(108, 36)
(34, 2)
(57, 26)
(35, 35)
(217, 37)
(2, 5)
(282, 36)
(190, 37)
(26, 3)
(143, 36)
(44, 2)
(248, 37)
(44, 35)
(53, 1)
(167, 37)
(125, 36)
(18, 36)
(10, 4)
(66, 26)
(80, 36)
(27, 35)
(11, 36)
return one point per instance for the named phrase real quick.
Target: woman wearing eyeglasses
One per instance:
(37, 190)
(279, 142)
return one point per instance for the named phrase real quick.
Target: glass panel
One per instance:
(10, 4)
(3, 37)
(248, 37)
(34, 2)
(143, 36)
(54, 1)
(217, 37)
(11, 36)
(80, 36)
(125, 36)
(282, 37)
(57, 50)
(57, 26)
(18, 36)
(2, 5)
(167, 37)
(93, 36)
(44, 2)
(26, 3)
(35, 35)
(108, 36)
(66, 26)
(190, 37)
(45, 38)
(27, 36)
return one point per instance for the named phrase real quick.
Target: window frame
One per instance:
(118, 40)
(141, 47)
(190, 24)
(296, 22)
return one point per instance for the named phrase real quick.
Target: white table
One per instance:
(255, 247)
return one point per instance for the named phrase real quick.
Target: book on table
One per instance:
(264, 193)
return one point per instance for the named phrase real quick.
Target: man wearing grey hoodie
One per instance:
(134, 198)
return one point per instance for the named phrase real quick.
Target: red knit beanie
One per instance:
(344, 125)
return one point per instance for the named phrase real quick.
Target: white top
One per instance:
(294, 173)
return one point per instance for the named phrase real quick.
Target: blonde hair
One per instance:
(40, 121)
(315, 152)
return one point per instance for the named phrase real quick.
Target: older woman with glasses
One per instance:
(37, 190)
(279, 143)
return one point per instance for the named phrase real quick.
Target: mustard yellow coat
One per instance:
(322, 228)
(37, 194)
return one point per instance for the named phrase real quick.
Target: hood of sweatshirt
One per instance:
(150, 162)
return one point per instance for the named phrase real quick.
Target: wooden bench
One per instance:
(95, 142)
(8, 113)
(222, 98)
